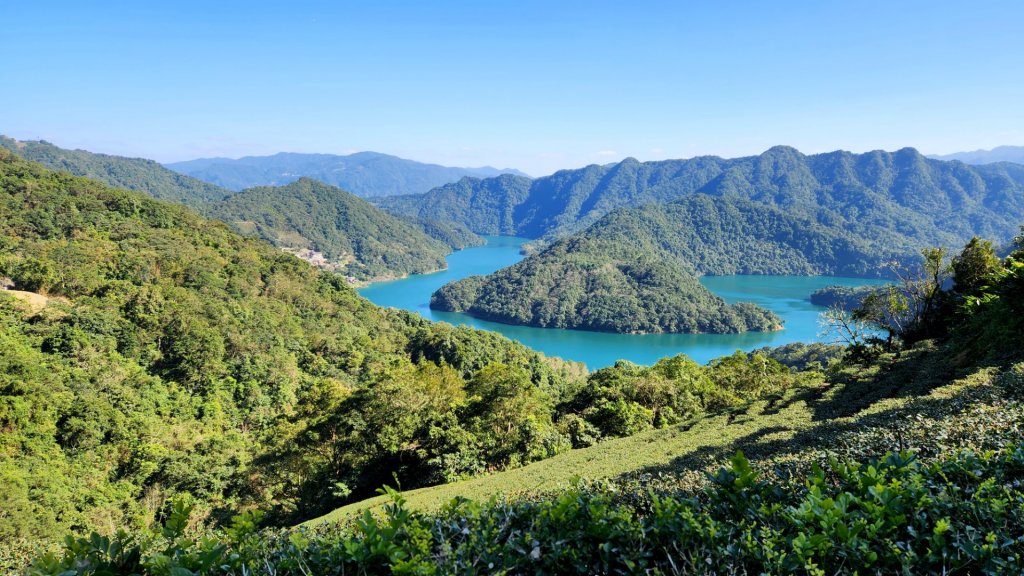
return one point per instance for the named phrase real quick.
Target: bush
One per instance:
(894, 515)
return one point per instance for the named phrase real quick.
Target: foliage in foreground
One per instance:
(894, 515)
(176, 358)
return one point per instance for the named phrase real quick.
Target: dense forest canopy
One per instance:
(598, 286)
(327, 225)
(928, 202)
(176, 357)
(131, 173)
(355, 238)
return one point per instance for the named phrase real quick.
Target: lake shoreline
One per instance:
(787, 296)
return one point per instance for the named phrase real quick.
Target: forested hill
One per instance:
(366, 174)
(927, 200)
(709, 235)
(327, 226)
(161, 356)
(352, 236)
(635, 270)
(132, 173)
(485, 206)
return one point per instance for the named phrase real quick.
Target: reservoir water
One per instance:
(784, 295)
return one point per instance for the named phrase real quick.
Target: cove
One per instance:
(784, 295)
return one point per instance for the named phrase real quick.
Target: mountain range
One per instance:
(621, 238)
(998, 154)
(366, 174)
(322, 224)
(903, 192)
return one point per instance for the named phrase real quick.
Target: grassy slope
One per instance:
(887, 406)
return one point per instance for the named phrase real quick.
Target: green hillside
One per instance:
(321, 223)
(352, 236)
(485, 206)
(601, 287)
(912, 402)
(904, 457)
(131, 173)
(162, 356)
(925, 202)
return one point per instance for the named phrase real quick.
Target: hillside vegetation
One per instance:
(901, 195)
(174, 357)
(365, 174)
(131, 173)
(326, 225)
(906, 457)
(354, 237)
(485, 206)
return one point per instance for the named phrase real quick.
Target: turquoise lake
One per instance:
(787, 296)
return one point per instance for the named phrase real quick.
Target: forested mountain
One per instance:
(365, 174)
(636, 268)
(484, 206)
(164, 356)
(777, 213)
(132, 173)
(1013, 154)
(336, 229)
(926, 201)
(321, 223)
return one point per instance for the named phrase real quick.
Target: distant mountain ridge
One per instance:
(933, 201)
(1013, 154)
(365, 174)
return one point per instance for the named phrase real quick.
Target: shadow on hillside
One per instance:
(909, 374)
(758, 445)
(908, 378)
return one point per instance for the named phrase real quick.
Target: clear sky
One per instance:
(536, 85)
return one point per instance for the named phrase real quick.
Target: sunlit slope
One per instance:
(908, 393)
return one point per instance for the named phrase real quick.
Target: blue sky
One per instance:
(533, 85)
